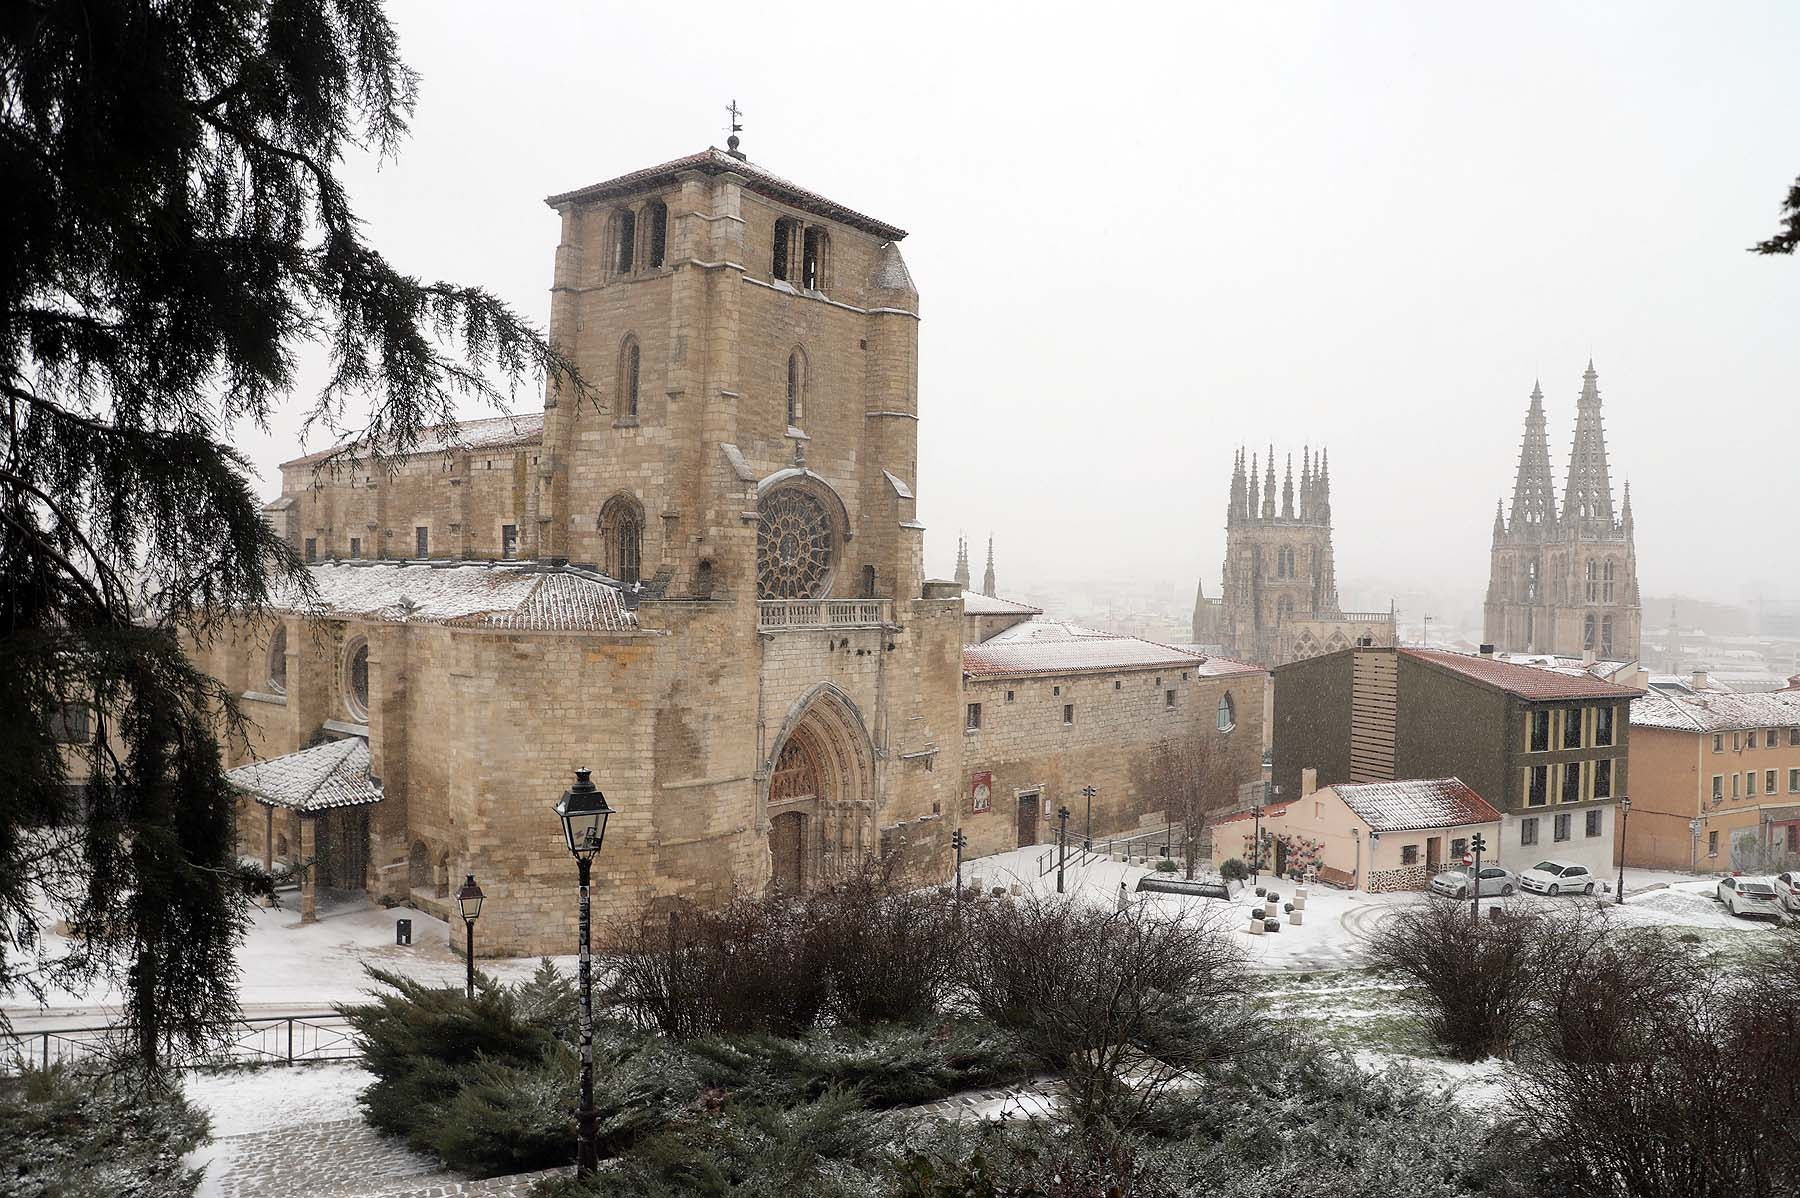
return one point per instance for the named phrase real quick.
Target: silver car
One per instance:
(1494, 880)
(1750, 896)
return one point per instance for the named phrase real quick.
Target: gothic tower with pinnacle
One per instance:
(1279, 602)
(1564, 580)
(987, 578)
(962, 563)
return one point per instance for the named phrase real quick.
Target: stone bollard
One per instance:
(1297, 916)
(1256, 925)
(1300, 900)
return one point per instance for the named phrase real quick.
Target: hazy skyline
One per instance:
(1142, 238)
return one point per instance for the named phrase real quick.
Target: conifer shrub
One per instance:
(1234, 870)
(68, 1133)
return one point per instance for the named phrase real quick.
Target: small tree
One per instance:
(1474, 976)
(1189, 780)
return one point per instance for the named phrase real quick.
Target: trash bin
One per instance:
(403, 931)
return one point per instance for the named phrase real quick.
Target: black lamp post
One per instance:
(1256, 809)
(469, 899)
(1476, 844)
(1087, 837)
(1062, 844)
(583, 812)
(1624, 822)
(958, 842)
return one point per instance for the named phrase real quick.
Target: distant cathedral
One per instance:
(962, 567)
(1280, 600)
(1565, 582)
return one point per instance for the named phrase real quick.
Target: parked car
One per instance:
(1557, 877)
(1495, 879)
(1750, 896)
(1787, 887)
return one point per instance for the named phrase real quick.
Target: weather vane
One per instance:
(737, 127)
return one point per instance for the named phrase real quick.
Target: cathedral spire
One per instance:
(1268, 501)
(1499, 520)
(1587, 497)
(1250, 491)
(1323, 515)
(1234, 511)
(1625, 509)
(1306, 482)
(987, 579)
(962, 563)
(1534, 491)
(1287, 491)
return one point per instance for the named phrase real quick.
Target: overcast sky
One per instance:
(1143, 236)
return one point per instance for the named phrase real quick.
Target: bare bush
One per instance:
(1123, 1003)
(1189, 780)
(886, 953)
(1474, 975)
(1595, 983)
(1697, 1095)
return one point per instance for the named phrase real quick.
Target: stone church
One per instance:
(1564, 581)
(704, 581)
(1280, 602)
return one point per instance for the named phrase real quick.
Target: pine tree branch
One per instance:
(114, 584)
(50, 551)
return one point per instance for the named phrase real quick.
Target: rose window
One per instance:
(793, 547)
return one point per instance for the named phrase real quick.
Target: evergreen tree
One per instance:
(1788, 239)
(176, 229)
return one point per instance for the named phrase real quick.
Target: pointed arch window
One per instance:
(1225, 718)
(656, 233)
(1607, 582)
(796, 387)
(1606, 637)
(621, 528)
(781, 261)
(815, 258)
(1531, 581)
(630, 368)
(1587, 631)
(624, 241)
(1593, 585)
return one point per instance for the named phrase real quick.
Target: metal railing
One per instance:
(824, 613)
(1155, 842)
(268, 1040)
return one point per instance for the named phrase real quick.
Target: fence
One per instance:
(1157, 842)
(270, 1040)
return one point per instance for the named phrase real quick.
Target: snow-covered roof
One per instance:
(494, 432)
(334, 774)
(977, 604)
(1059, 647)
(510, 595)
(1525, 681)
(1604, 669)
(714, 161)
(1716, 711)
(1416, 803)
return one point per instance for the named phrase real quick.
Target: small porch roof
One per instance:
(334, 774)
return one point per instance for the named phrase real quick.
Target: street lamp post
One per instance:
(1087, 839)
(583, 812)
(469, 899)
(958, 842)
(1062, 844)
(1256, 809)
(1624, 822)
(1476, 844)
(1693, 846)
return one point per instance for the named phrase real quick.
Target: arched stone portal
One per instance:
(820, 792)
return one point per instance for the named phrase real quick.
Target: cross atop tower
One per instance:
(737, 127)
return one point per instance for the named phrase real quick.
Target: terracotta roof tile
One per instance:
(1416, 803)
(1716, 711)
(1525, 681)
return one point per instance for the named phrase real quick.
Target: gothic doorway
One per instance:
(820, 800)
(1028, 818)
(343, 848)
(787, 840)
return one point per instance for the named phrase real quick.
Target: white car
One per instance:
(1787, 886)
(1494, 880)
(1750, 896)
(1558, 877)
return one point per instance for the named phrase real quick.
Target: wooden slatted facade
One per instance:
(1374, 700)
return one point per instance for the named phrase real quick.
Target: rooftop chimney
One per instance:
(1589, 657)
(1486, 650)
(1700, 681)
(1309, 781)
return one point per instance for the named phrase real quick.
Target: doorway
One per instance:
(787, 837)
(1434, 854)
(1028, 818)
(1281, 856)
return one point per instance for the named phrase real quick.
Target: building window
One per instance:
(356, 680)
(421, 542)
(1603, 726)
(1593, 821)
(1540, 731)
(1571, 782)
(1793, 736)
(1409, 854)
(1537, 785)
(621, 527)
(1712, 844)
(1055, 691)
(1718, 790)
(814, 258)
(1528, 830)
(624, 224)
(1793, 838)
(868, 582)
(312, 549)
(1606, 642)
(1736, 785)
(1608, 589)
(1750, 785)
(795, 545)
(1603, 770)
(796, 387)
(1737, 742)
(972, 722)
(1794, 782)
(784, 249)
(1750, 739)
(509, 541)
(1593, 593)
(1718, 742)
(1227, 713)
(1587, 630)
(1068, 714)
(1458, 847)
(1560, 830)
(1168, 698)
(278, 661)
(656, 233)
(630, 365)
(1571, 737)
(1769, 782)
(355, 549)
(71, 725)
(1009, 696)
